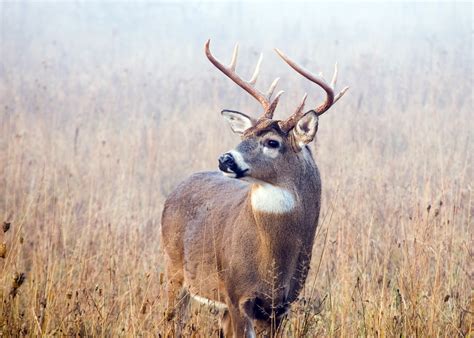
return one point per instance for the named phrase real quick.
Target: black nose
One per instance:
(227, 162)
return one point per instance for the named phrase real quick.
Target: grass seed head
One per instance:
(3, 250)
(18, 280)
(6, 226)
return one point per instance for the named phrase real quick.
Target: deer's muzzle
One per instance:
(229, 164)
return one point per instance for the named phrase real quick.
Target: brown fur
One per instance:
(218, 247)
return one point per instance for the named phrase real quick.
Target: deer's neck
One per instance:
(285, 215)
(278, 215)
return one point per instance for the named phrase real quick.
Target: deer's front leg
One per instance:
(226, 325)
(241, 324)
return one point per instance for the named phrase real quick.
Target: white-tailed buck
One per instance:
(241, 238)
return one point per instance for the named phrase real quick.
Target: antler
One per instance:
(264, 99)
(319, 80)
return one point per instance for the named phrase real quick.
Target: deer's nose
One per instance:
(227, 162)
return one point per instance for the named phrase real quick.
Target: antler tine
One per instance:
(269, 113)
(293, 119)
(333, 85)
(272, 87)
(334, 77)
(233, 62)
(268, 106)
(342, 92)
(254, 77)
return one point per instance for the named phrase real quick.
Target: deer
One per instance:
(240, 239)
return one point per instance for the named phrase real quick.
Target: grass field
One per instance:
(105, 108)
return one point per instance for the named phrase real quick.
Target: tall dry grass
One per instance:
(104, 109)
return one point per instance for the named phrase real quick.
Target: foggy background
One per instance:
(119, 67)
(151, 55)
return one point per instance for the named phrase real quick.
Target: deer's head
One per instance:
(270, 149)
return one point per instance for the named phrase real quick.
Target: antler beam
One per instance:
(265, 100)
(328, 88)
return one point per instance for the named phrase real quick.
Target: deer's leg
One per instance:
(181, 309)
(177, 297)
(242, 326)
(226, 325)
(174, 289)
(271, 328)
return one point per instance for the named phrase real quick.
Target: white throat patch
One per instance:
(269, 198)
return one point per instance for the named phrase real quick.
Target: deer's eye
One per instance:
(272, 144)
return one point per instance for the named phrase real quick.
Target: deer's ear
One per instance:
(306, 128)
(238, 121)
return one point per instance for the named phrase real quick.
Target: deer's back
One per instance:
(194, 219)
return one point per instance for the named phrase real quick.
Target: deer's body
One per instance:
(244, 242)
(228, 250)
